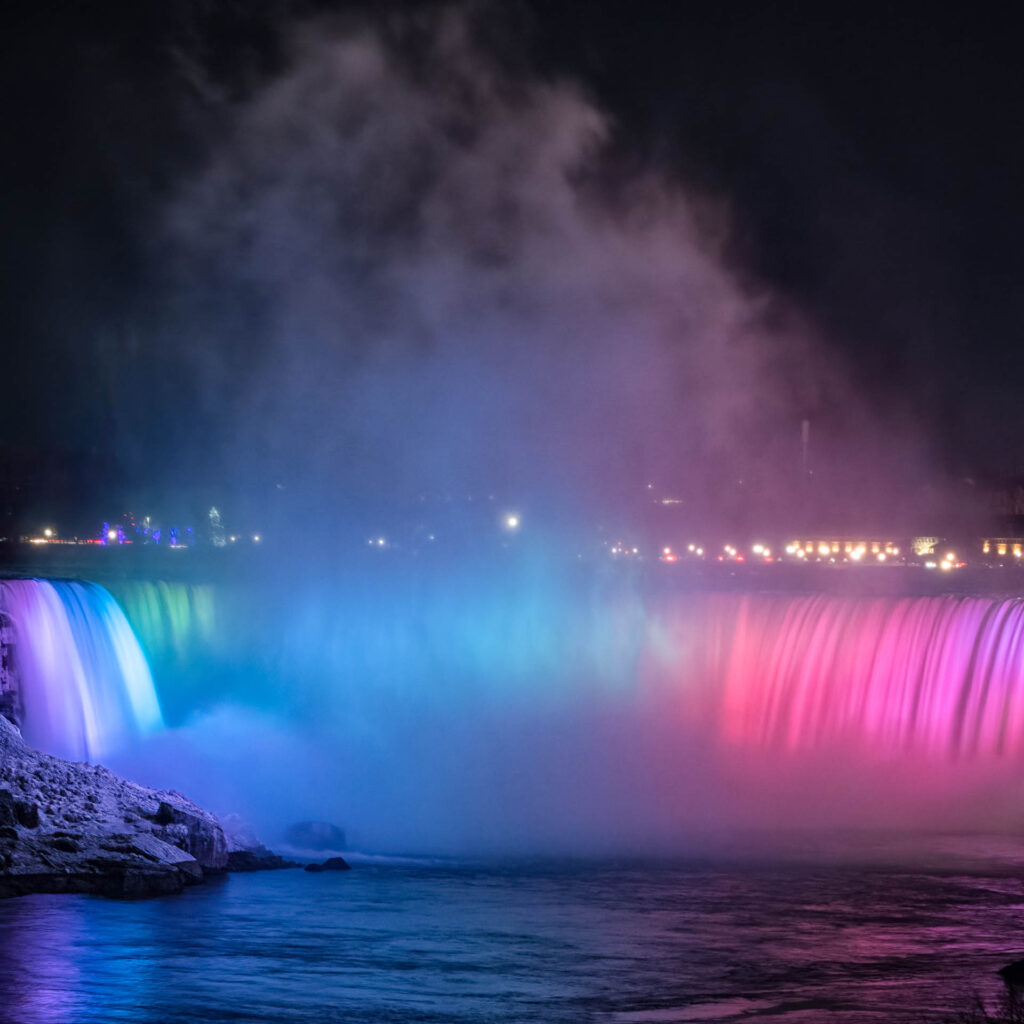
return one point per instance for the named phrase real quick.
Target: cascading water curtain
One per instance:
(84, 685)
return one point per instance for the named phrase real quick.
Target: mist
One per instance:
(417, 287)
(536, 713)
(409, 272)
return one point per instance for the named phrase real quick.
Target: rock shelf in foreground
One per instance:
(72, 827)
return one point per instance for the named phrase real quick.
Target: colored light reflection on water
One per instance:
(450, 943)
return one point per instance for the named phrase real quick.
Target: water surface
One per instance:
(458, 943)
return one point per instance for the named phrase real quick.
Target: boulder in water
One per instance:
(260, 859)
(246, 852)
(315, 835)
(331, 864)
(73, 827)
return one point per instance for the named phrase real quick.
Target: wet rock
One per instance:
(125, 840)
(246, 852)
(17, 812)
(258, 860)
(331, 864)
(164, 814)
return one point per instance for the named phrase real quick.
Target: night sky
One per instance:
(361, 253)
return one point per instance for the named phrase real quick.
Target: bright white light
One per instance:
(47, 532)
(666, 551)
(512, 522)
(881, 556)
(700, 551)
(758, 549)
(689, 547)
(255, 538)
(111, 534)
(380, 542)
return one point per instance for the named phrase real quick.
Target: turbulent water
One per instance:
(445, 943)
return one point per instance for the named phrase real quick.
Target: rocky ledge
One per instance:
(69, 827)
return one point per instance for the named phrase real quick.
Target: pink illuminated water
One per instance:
(942, 676)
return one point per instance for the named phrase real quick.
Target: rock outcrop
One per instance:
(331, 864)
(315, 835)
(72, 827)
(246, 852)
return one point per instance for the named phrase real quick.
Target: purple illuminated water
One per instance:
(83, 681)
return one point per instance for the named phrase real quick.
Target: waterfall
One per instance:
(75, 668)
(942, 676)
(936, 676)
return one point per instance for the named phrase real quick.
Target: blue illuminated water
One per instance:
(446, 943)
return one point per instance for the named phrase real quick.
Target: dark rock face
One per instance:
(17, 812)
(331, 864)
(315, 835)
(260, 859)
(1013, 974)
(68, 827)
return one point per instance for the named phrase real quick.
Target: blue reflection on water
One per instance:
(440, 943)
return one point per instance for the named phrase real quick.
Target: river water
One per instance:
(904, 937)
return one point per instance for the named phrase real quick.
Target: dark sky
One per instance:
(875, 162)
(861, 171)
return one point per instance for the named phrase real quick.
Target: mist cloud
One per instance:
(423, 274)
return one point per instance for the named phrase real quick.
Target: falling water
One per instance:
(82, 681)
(942, 676)
(602, 710)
